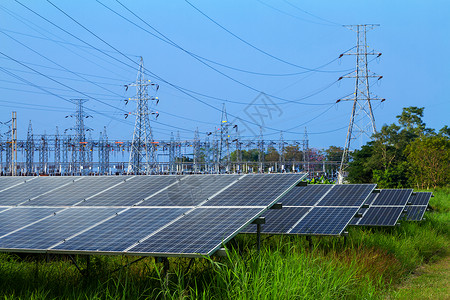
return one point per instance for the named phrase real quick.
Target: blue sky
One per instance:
(43, 67)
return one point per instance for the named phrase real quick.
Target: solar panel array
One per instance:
(139, 215)
(384, 208)
(418, 205)
(317, 209)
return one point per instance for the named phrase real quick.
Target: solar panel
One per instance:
(392, 197)
(420, 198)
(255, 190)
(121, 231)
(32, 188)
(131, 191)
(191, 190)
(380, 216)
(43, 234)
(201, 232)
(324, 221)
(347, 195)
(305, 195)
(415, 213)
(317, 209)
(385, 208)
(79, 190)
(18, 217)
(9, 181)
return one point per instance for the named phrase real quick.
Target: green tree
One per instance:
(272, 154)
(334, 153)
(429, 159)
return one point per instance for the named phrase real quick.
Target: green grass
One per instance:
(369, 265)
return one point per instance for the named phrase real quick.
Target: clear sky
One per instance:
(267, 46)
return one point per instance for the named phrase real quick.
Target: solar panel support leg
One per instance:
(258, 237)
(310, 243)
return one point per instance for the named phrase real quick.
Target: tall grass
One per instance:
(364, 266)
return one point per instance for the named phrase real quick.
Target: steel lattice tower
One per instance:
(224, 140)
(306, 154)
(143, 152)
(196, 152)
(79, 155)
(362, 106)
(172, 148)
(30, 150)
(261, 148)
(57, 151)
(282, 152)
(43, 155)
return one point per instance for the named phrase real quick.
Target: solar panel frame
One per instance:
(421, 198)
(380, 216)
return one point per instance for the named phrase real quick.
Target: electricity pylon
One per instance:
(362, 106)
(143, 150)
(79, 147)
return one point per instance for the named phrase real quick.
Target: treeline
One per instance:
(404, 154)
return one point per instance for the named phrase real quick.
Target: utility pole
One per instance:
(362, 106)
(143, 151)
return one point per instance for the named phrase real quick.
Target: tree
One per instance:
(429, 158)
(292, 153)
(334, 153)
(272, 154)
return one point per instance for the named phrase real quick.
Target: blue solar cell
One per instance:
(390, 197)
(420, 198)
(325, 221)
(200, 232)
(191, 190)
(9, 181)
(305, 195)
(77, 191)
(256, 190)
(280, 221)
(49, 231)
(381, 216)
(32, 188)
(123, 230)
(130, 192)
(17, 217)
(415, 213)
(347, 195)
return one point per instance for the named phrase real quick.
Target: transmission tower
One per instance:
(362, 106)
(57, 151)
(261, 149)
(196, 152)
(30, 150)
(172, 148)
(79, 154)
(282, 152)
(14, 144)
(306, 154)
(143, 152)
(43, 155)
(224, 147)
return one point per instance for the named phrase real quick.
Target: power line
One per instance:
(251, 45)
(313, 15)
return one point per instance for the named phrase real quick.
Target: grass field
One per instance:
(370, 264)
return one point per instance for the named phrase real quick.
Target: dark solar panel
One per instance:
(191, 191)
(17, 217)
(32, 188)
(420, 198)
(305, 195)
(347, 195)
(256, 190)
(390, 197)
(49, 231)
(131, 191)
(371, 198)
(202, 231)
(381, 216)
(325, 221)
(122, 231)
(415, 213)
(77, 191)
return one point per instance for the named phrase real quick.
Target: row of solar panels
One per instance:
(137, 215)
(172, 215)
(309, 210)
